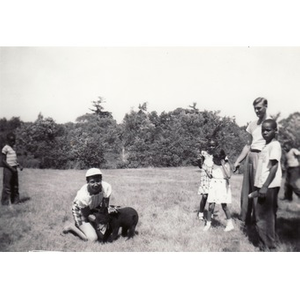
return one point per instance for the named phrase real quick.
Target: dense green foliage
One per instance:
(175, 138)
(143, 139)
(289, 129)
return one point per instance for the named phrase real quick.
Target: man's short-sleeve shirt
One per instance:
(84, 199)
(254, 129)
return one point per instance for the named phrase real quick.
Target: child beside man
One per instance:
(267, 184)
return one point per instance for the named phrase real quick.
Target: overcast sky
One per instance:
(62, 82)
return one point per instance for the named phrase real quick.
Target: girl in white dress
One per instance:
(205, 163)
(219, 188)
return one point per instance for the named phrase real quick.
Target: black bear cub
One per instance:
(124, 217)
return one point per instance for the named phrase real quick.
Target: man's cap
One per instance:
(93, 172)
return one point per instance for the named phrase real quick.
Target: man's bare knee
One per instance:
(92, 237)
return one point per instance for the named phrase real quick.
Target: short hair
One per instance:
(259, 100)
(272, 122)
(212, 140)
(10, 136)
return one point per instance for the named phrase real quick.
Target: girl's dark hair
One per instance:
(218, 156)
(212, 140)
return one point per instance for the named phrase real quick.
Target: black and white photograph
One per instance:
(174, 133)
(151, 145)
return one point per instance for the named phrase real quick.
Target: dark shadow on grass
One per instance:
(24, 199)
(288, 231)
(5, 241)
(216, 223)
(248, 230)
(235, 215)
(251, 233)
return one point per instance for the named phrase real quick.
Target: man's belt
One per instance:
(255, 150)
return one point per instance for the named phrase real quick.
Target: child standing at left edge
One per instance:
(10, 192)
(267, 184)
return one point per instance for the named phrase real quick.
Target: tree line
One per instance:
(143, 139)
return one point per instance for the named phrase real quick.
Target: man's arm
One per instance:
(263, 190)
(85, 211)
(243, 154)
(5, 164)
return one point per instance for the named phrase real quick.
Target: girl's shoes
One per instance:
(229, 225)
(207, 226)
(200, 216)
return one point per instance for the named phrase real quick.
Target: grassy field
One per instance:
(166, 200)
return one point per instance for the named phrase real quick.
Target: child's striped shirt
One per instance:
(11, 155)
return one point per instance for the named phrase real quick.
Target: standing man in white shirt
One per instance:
(250, 153)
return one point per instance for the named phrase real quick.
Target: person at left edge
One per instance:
(10, 192)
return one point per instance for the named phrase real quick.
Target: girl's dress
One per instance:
(204, 179)
(219, 188)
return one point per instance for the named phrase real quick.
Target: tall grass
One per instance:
(166, 200)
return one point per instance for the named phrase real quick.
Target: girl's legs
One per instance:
(210, 211)
(229, 225)
(226, 210)
(202, 206)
